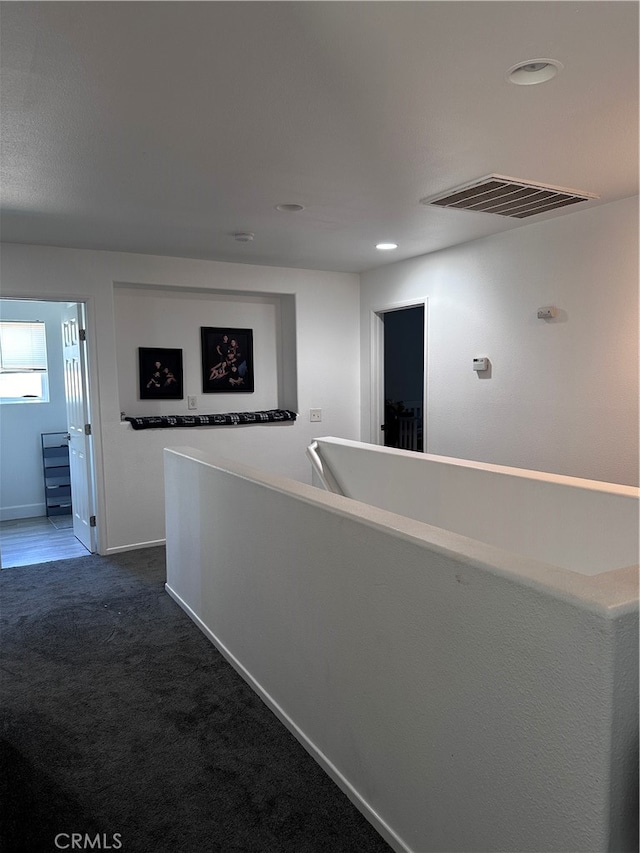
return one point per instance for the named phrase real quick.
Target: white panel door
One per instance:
(75, 384)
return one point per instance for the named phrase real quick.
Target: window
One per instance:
(23, 362)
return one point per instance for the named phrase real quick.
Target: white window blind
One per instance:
(23, 347)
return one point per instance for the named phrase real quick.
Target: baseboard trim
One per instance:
(14, 513)
(135, 546)
(330, 769)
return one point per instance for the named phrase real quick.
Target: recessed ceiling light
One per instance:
(386, 247)
(534, 71)
(289, 208)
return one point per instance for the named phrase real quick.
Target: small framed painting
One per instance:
(160, 373)
(227, 359)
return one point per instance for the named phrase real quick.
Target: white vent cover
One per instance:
(507, 197)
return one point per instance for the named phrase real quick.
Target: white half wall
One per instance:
(586, 526)
(21, 480)
(465, 698)
(562, 394)
(322, 308)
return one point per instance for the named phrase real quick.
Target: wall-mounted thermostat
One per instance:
(547, 313)
(480, 363)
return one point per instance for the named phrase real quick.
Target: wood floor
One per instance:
(26, 541)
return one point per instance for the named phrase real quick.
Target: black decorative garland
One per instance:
(227, 419)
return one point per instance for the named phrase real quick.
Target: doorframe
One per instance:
(376, 361)
(91, 384)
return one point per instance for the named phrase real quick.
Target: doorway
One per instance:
(25, 520)
(399, 376)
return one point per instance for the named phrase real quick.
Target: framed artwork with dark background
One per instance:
(160, 373)
(227, 359)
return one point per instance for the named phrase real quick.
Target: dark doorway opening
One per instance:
(404, 378)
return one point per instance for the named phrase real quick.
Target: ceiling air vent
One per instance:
(507, 197)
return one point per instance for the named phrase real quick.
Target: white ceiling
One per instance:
(165, 127)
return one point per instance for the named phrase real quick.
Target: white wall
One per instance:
(323, 308)
(21, 479)
(562, 395)
(466, 699)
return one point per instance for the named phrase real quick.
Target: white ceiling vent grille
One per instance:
(507, 197)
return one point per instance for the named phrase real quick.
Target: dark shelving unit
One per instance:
(57, 478)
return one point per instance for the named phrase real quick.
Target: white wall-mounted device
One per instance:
(547, 313)
(480, 364)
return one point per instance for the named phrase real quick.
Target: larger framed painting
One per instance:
(160, 373)
(227, 359)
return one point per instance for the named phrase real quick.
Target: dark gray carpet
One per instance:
(119, 716)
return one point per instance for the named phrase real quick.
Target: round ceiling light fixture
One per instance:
(533, 71)
(289, 208)
(386, 247)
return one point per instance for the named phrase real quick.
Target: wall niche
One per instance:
(171, 318)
